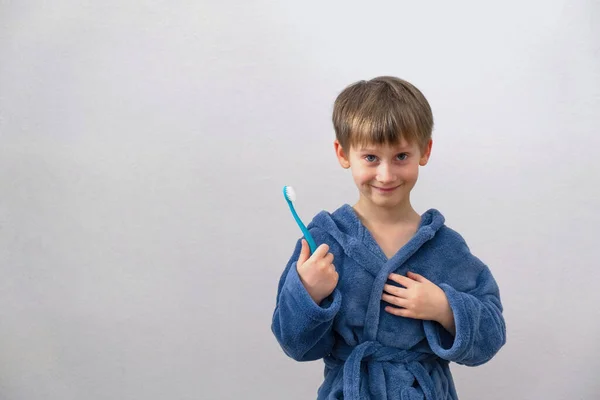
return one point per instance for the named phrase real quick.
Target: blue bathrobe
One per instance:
(369, 353)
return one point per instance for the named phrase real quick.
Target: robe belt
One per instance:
(375, 351)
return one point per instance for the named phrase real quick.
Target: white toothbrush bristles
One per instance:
(290, 193)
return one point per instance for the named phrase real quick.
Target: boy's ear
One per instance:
(426, 154)
(341, 155)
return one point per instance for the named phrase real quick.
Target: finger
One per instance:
(330, 269)
(335, 276)
(304, 253)
(325, 266)
(417, 277)
(397, 301)
(403, 280)
(335, 269)
(395, 291)
(320, 251)
(400, 312)
(328, 258)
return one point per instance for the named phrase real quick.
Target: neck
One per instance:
(401, 214)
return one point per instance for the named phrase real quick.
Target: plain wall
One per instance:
(144, 145)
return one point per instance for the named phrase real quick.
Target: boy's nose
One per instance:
(385, 174)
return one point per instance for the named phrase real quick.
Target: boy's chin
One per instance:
(386, 202)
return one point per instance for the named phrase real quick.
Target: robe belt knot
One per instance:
(373, 351)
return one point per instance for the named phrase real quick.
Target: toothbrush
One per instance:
(290, 196)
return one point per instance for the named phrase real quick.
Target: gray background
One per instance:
(144, 145)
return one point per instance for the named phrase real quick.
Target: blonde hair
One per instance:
(384, 110)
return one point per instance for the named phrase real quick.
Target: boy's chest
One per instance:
(391, 242)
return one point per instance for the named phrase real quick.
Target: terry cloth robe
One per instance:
(369, 353)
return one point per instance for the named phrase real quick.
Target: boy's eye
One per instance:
(370, 158)
(402, 156)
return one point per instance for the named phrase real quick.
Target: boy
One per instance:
(389, 297)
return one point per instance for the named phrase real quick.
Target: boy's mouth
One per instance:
(386, 190)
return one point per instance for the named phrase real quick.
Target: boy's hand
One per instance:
(419, 299)
(316, 271)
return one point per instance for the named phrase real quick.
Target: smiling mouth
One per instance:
(386, 189)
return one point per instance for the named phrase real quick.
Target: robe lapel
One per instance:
(372, 318)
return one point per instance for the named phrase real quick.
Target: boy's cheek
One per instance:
(360, 179)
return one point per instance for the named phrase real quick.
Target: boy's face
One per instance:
(384, 175)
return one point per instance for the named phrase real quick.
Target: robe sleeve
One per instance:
(303, 328)
(480, 326)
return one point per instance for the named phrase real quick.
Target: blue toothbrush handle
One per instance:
(307, 235)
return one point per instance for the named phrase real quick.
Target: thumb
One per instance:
(304, 253)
